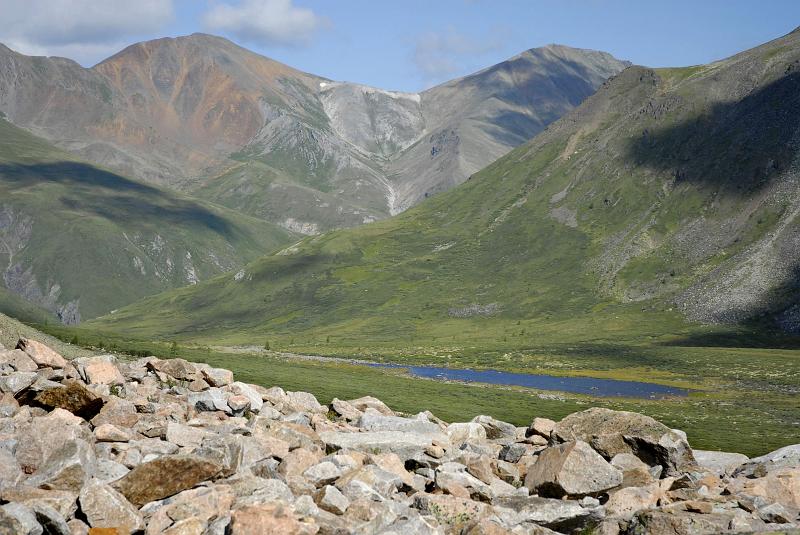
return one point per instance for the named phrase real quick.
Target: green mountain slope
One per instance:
(79, 241)
(668, 198)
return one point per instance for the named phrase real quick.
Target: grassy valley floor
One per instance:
(742, 399)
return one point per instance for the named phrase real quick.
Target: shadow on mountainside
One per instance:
(736, 148)
(112, 196)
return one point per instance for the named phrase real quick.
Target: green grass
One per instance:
(101, 240)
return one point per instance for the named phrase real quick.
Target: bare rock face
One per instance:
(173, 454)
(571, 469)
(612, 432)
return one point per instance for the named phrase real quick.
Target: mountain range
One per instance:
(178, 159)
(665, 201)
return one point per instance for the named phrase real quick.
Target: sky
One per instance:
(406, 45)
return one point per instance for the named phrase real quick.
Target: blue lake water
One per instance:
(578, 385)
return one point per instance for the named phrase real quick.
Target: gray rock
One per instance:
(108, 471)
(243, 389)
(372, 420)
(23, 516)
(332, 500)
(611, 432)
(322, 474)
(18, 360)
(104, 507)
(786, 457)
(573, 469)
(16, 382)
(217, 376)
(212, 399)
(68, 468)
(719, 462)
(561, 515)
(405, 444)
(51, 520)
(496, 429)
(186, 436)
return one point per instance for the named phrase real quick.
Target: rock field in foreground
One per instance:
(97, 445)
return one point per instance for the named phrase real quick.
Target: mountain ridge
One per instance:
(184, 111)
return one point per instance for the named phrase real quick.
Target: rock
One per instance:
(496, 429)
(72, 397)
(786, 457)
(322, 474)
(369, 402)
(109, 471)
(111, 433)
(332, 500)
(345, 410)
(164, 477)
(625, 502)
(303, 402)
(573, 469)
(458, 433)
(405, 445)
(393, 464)
(100, 370)
(225, 450)
(51, 520)
(611, 432)
(43, 356)
(719, 462)
(177, 368)
(119, 412)
(265, 519)
(660, 522)
(68, 468)
(217, 376)
(243, 389)
(781, 485)
(451, 510)
(186, 436)
(15, 383)
(212, 399)
(635, 473)
(18, 518)
(8, 405)
(18, 360)
(239, 404)
(372, 420)
(104, 507)
(541, 427)
(561, 515)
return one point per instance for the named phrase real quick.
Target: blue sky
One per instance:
(407, 45)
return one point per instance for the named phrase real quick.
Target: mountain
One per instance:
(78, 240)
(205, 116)
(669, 199)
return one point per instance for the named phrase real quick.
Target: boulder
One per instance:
(611, 432)
(248, 391)
(100, 370)
(212, 399)
(405, 444)
(541, 427)
(272, 518)
(104, 507)
(43, 356)
(561, 515)
(217, 376)
(332, 500)
(18, 360)
(719, 462)
(572, 469)
(17, 382)
(68, 468)
(177, 368)
(786, 457)
(458, 433)
(164, 477)
(496, 429)
(72, 397)
(372, 420)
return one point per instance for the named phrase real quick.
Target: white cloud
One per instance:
(84, 30)
(439, 55)
(265, 22)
